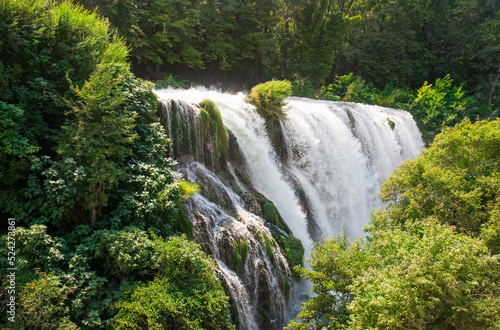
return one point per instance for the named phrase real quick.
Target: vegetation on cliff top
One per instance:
(269, 98)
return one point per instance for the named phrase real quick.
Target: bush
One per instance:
(43, 304)
(455, 180)
(439, 105)
(185, 295)
(269, 98)
(428, 276)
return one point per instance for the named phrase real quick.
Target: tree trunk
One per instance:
(494, 86)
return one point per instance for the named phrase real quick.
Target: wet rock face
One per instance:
(229, 227)
(196, 133)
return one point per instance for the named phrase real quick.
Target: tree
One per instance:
(42, 44)
(100, 136)
(455, 180)
(156, 31)
(43, 303)
(309, 38)
(427, 276)
(430, 259)
(186, 294)
(439, 105)
(334, 263)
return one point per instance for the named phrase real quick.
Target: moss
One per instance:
(266, 242)
(211, 124)
(235, 257)
(391, 123)
(244, 249)
(294, 252)
(285, 286)
(219, 129)
(269, 247)
(271, 214)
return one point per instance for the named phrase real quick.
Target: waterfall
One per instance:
(341, 153)
(324, 181)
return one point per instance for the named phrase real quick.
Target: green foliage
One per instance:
(171, 81)
(439, 105)
(302, 87)
(427, 277)
(65, 86)
(186, 293)
(431, 257)
(157, 31)
(352, 88)
(455, 180)
(125, 251)
(335, 263)
(269, 98)
(43, 304)
(310, 35)
(35, 249)
(295, 254)
(14, 144)
(338, 89)
(100, 136)
(41, 44)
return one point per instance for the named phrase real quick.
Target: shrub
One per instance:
(269, 98)
(185, 295)
(439, 105)
(427, 277)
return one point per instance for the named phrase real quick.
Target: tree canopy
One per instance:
(431, 257)
(84, 172)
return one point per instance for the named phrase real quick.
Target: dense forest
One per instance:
(101, 239)
(438, 59)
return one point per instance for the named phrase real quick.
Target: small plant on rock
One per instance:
(269, 98)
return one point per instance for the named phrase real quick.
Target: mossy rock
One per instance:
(270, 213)
(275, 133)
(285, 286)
(391, 124)
(236, 260)
(294, 253)
(213, 128)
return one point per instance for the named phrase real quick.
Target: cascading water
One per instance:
(257, 276)
(340, 154)
(336, 157)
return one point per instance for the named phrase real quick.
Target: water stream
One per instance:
(337, 156)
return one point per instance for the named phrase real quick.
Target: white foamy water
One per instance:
(338, 156)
